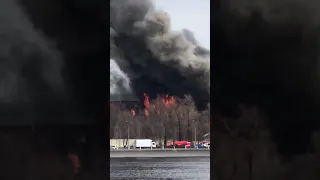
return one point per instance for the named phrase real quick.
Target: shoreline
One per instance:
(148, 153)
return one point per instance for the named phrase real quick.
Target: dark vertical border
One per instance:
(215, 18)
(88, 140)
(108, 105)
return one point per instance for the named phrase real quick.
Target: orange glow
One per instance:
(146, 100)
(146, 104)
(146, 112)
(75, 161)
(167, 100)
(133, 113)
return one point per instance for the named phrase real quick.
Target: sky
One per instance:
(189, 14)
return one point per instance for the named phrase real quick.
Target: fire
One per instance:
(75, 161)
(146, 100)
(146, 112)
(146, 104)
(133, 113)
(167, 100)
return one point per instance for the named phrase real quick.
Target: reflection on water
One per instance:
(160, 168)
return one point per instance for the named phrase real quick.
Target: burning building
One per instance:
(153, 57)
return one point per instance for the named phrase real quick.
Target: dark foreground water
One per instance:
(160, 168)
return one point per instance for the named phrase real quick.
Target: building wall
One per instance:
(120, 143)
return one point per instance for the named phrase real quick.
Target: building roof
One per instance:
(123, 97)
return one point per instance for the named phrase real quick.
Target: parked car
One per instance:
(179, 144)
(207, 145)
(199, 146)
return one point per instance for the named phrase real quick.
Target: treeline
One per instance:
(163, 118)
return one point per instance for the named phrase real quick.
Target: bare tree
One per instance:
(161, 113)
(165, 118)
(121, 120)
(186, 115)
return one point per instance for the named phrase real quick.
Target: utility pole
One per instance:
(128, 146)
(128, 135)
(195, 134)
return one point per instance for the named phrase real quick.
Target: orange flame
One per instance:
(146, 112)
(75, 161)
(146, 104)
(146, 100)
(133, 113)
(167, 100)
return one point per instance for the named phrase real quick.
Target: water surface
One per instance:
(160, 168)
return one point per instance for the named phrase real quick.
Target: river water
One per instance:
(160, 168)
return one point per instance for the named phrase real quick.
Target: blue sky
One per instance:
(190, 14)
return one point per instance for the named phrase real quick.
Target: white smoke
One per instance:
(119, 81)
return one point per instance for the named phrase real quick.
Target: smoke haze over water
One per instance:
(157, 59)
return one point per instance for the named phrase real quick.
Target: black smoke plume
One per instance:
(66, 61)
(31, 82)
(53, 73)
(53, 61)
(156, 59)
(267, 55)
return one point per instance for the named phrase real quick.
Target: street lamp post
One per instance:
(195, 134)
(128, 135)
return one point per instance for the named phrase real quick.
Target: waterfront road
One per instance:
(125, 153)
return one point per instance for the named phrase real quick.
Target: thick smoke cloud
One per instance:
(54, 57)
(267, 55)
(30, 67)
(53, 62)
(53, 69)
(157, 59)
(79, 29)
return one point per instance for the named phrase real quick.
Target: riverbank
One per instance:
(159, 153)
